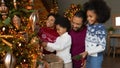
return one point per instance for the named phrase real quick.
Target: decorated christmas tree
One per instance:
(69, 13)
(19, 44)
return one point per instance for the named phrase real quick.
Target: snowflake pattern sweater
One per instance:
(95, 39)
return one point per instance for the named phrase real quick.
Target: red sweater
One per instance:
(78, 45)
(47, 35)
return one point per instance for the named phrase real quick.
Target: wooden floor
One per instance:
(110, 62)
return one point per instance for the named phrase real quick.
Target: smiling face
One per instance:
(50, 22)
(76, 23)
(91, 17)
(60, 30)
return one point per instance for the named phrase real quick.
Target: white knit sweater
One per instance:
(62, 47)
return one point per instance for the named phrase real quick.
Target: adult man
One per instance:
(78, 34)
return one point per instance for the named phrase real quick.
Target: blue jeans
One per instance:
(94, 62)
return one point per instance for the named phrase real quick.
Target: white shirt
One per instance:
(62, 47)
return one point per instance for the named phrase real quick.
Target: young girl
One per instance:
(62, 44)
(97, 13)
(48, 32)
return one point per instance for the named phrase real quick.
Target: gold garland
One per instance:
(6, 36)
(6, 42)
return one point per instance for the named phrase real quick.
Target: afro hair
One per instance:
(63, 22)
(101, 9)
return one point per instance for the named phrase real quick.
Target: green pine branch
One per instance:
(77, 57)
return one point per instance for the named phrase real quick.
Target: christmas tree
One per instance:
(18, 35)
(69, 13)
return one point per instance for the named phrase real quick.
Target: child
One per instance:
(97, 13)
(62, 44)
(48, 32)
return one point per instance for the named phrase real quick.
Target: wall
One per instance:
(114, 4)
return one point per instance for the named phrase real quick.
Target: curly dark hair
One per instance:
(63, 22)
(81, 14)
(54, 15)
(101, 9)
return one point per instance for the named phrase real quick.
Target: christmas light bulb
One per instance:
(3, 29)
(24, 60)
(19, 44)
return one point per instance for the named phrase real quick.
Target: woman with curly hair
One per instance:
(97, 12)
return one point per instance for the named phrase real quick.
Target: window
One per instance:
(116, 21)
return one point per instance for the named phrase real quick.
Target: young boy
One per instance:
(62, 45)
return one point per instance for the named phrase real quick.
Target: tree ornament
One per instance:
(9, 60)
(3, 8)
(16, 22)
(15, 4)
(4, 16)
(30, 5)
(34, 18)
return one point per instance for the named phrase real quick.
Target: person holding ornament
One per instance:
(78, 34)
(48, 32)
(98, 12)
(62, 45)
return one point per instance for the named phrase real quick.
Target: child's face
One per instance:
(60, 29)
(50, 21)
(91, 17)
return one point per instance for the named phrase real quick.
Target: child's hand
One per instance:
(83, 63)
(84, 54)
(44, 44)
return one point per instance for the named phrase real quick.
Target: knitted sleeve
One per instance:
(101, 40)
